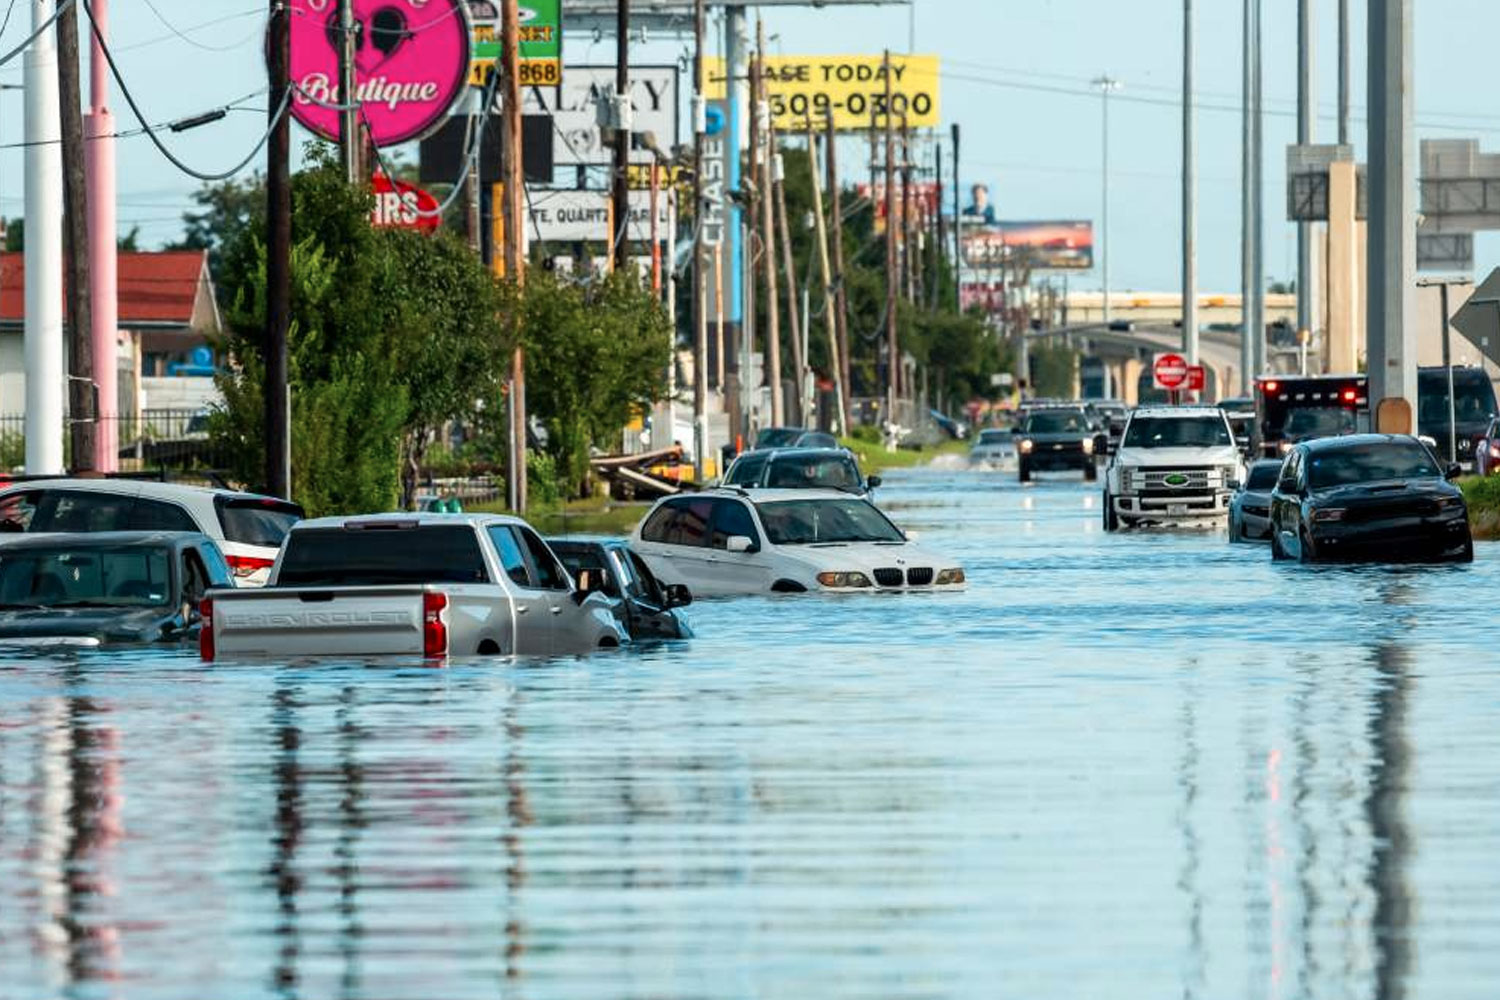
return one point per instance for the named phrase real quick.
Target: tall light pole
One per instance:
(1106, 85)
(1248, 219)
(1306, 122)
(1189, 194)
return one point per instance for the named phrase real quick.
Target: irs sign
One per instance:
(401, 205)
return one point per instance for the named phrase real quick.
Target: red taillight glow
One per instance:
(1270, 386)
(1350, 395)
(434, 628)
(243, 566)
(206, 629)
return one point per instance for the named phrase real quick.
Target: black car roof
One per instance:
(1342, 442)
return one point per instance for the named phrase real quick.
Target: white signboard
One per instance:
(573, 107)
(583, 216)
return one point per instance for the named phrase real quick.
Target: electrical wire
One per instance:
(114, 70)
(9, 10)
(62, 9)
(179, 34)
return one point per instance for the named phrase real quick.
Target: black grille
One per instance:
(1391, 509)
(888, 576)
(919, 577)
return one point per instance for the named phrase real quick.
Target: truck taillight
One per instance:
(1350, 395)
(243, 566)
(434, 628)
(206, 629)
(1270, 387)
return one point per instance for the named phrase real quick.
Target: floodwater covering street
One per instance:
(1134, 766)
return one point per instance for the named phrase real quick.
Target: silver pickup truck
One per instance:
(429, 585)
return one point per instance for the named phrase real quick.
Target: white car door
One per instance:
(674, 543)
(748, 572)
(533, 612)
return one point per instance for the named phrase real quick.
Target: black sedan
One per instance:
(1379, 497)
(646, 607)
(105, 588)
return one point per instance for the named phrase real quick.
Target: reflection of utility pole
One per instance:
(1107, 85)
(1391, 921)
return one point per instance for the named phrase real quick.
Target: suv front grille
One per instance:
(1185, 480)
(921, 576)
(888, 576)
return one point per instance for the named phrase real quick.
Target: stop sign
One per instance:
(1170, 371)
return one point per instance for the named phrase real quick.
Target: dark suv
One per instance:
(800, 469)
(1060, 438)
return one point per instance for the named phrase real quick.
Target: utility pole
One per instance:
(1247, 204)
(821, 235)
(81, 415)
(1306, 126)
(768, 231)
(99, 127)
(892, 276)
(278, 256)
(43, 337)
(700, 283)
(939, 243)
(1189, 194)
(478, 114)
(840, 362)
(622, 134)
(1107, 85)
(515, 238)
(1343, 72)
(789, 267)
(911, 256)
(1257, 179)
(1391, 306)
(349, 144)
(958, 230)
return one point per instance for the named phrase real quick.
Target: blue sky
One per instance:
(1015, 77)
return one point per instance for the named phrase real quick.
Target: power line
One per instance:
(135, 109)
(62, 9)
(182, 35)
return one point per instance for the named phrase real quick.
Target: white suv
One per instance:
(248, 528)
(1174, 463)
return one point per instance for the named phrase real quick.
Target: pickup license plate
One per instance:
(1177, 510)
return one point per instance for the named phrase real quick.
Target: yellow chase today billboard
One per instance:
(852, 87)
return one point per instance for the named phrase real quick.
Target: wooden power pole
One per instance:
(768, 233)
(514, 216)
(841, 295)
(81, 415)
(821, 235)
(278, 255)
(621, 184)
(892, 271)
(789, 267)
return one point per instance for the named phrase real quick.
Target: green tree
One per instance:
(596, 355)
(227, 211)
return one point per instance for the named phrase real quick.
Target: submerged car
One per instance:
(731, 541)
(1176, 464)
(1378, 497)
(1250, 508)
(105, 588)
(1060, 438)
(995, 449)
(800, 469)
(646, 608)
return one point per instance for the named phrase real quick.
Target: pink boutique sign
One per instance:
(411, 62)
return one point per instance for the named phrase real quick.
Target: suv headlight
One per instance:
(843, 580)
(948, 577)
(1088, 446)
(1026, 445)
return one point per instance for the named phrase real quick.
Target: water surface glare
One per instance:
(1130, 766)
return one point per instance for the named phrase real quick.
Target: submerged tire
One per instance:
(1111, 517)
(1278, 554)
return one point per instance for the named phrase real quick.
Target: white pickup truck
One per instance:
(1174, 464)
(429, 585)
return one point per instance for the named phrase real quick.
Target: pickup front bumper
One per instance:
(1153, 505)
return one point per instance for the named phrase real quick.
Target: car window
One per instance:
(549, 573)
(659, 525)
(995, 437)
(1263, 476)
(813, 471)
(159, 515)
(689, 525)
(194, 577)
(577, 559)
(622, 576)
(64, 511)
(219, 573)
(17, 510)
(817, 439)
(511, 559)
(732, 519)
(1057, 422)
(129, 576)
(650, 589)
(1178, 432)
(1371, 463)
(256, 520)
(746, 470)
(387, 554)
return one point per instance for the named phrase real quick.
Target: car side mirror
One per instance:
(872, 482)
(739, 544)
(1453, 471)
(1236, 485)
(677, 596)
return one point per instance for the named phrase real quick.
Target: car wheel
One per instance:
(1236, 531)
(1278, 554)
(1111, 518)
(1023, 472)
(1305, 553)
(1466, 554)
(1091, 473)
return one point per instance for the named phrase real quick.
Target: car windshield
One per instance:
(1473, 399)
(1318, 421)
(1263, 476)
(1177, 432)
(808, 522)
(1057, 422)
(995, 437)
(1370, 463)
(256, 521)
(382, 555)
(821, 472)
(133, 577)
(778, 437)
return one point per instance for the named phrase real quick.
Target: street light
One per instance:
(1106, 85)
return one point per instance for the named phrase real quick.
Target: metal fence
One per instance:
(174, 439)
